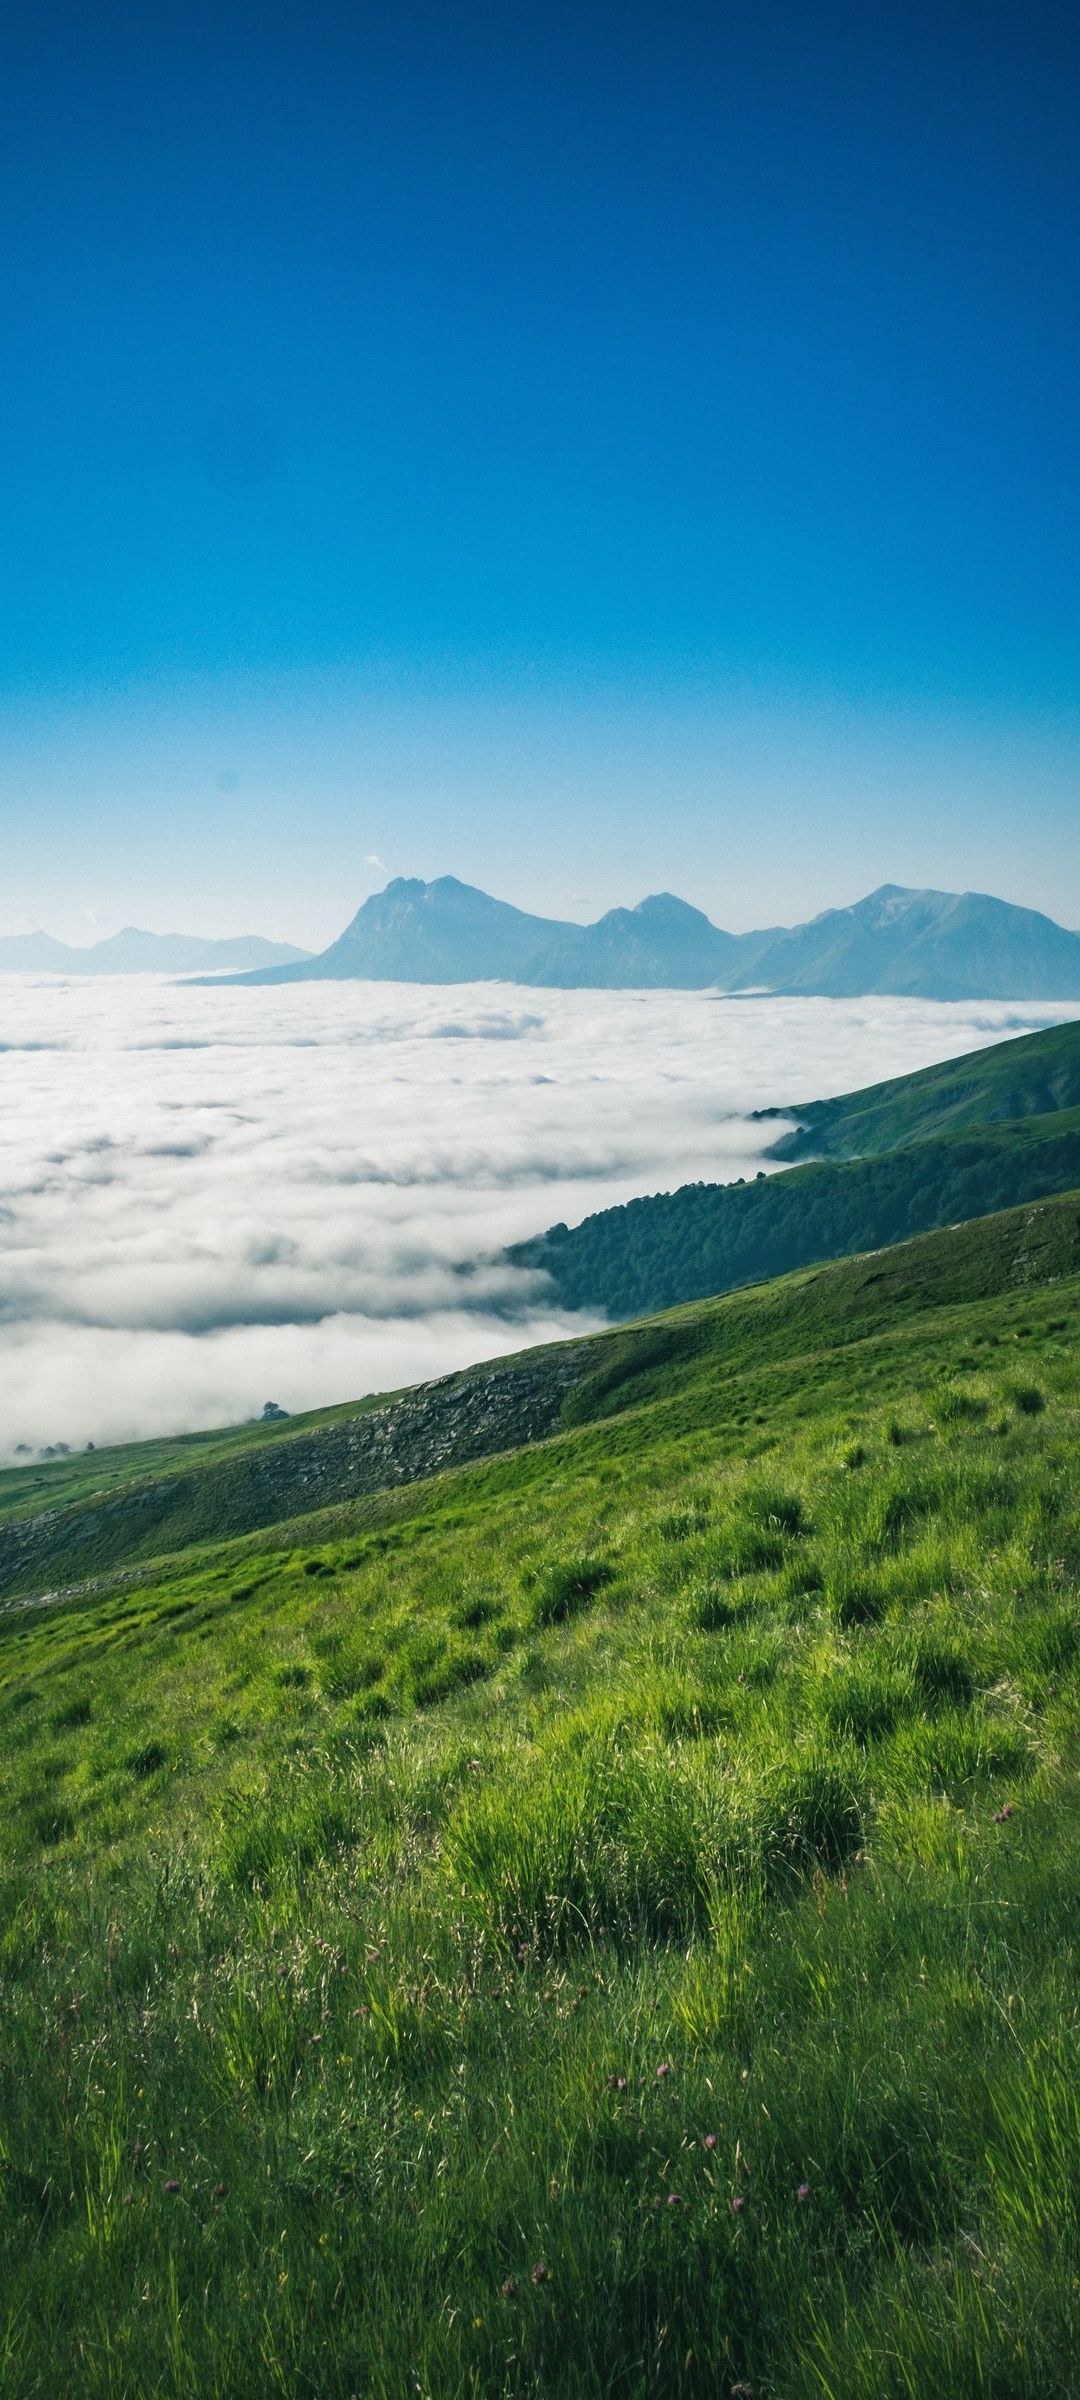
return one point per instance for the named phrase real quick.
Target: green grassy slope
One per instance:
(59, 1482)
(1026, 1077)
(601, 1920)
(235, 1487)
(653, 1253)
(153, 1505)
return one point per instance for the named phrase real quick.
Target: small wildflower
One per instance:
(1002, 1815)
(738, 2204)
(509, 2288)
(673, 2199)
(541, 2273)
(173, 2184)
(372, 1956)
(710, 2141)
(802, 2191)
(616, 2083)
(664, 2069)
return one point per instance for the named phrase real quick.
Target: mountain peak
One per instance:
(665, 908)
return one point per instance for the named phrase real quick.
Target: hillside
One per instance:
(704, 1238)
(598, 1918)
(1026, 1077)
(931, 945)
(80, 1517)
(953, 1141)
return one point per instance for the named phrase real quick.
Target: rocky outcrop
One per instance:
(438, 1425)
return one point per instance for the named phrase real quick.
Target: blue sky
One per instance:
(585, 450)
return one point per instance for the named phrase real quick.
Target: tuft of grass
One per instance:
(567, 1587)
(957, 1404)
(148, 1759)
(75, 1713)
(856, 1595)
(777, 1508)
(715, 1610)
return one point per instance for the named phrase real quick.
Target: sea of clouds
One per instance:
(211, 1198)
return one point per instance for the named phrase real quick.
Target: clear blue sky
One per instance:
(584, 448)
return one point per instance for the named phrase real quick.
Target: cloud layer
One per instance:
(209, 1199)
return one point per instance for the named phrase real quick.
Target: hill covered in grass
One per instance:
(598, 1918)
(1030, 1076)
(956, 1141)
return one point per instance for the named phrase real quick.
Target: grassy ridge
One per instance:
(653, 1253)
(601, 1920)
(1031, 1076)
(966, 1139)
(150, 1503)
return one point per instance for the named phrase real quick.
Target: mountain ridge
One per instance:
(901, 942)
(133, 951)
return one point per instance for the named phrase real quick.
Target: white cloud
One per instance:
(214, 1197)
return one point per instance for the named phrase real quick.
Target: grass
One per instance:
(58, 1482)
(1014, 1079)
(599, 1921)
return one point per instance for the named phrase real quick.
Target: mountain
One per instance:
(663, 942)
(565, 1881)
(983, 1133)
(922, 945)
(448, 932)
(443, 932)
(919, 944)
(133, 952)
(926, 945)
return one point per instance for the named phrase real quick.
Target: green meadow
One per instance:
(602, 1920)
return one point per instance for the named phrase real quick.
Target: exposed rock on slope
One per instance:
(444, 1424)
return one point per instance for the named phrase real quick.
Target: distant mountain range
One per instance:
(135, 953)
(919, 944)
(922, 945)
